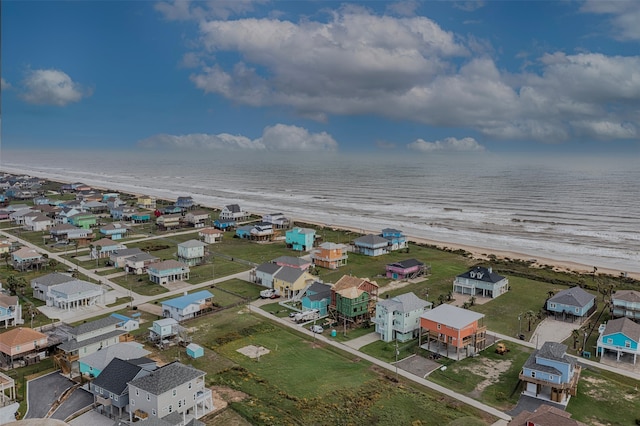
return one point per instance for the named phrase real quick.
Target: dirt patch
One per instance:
(490, 370)
(151, 308)
(253, 351)
(595, 388)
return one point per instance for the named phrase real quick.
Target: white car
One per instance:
(316, 329)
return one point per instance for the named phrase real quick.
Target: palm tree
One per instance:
(53, 264)
(31, 312)
(575, 334)
(12, 284)
(449, 295)
(441, 298)
(98, 249)
(529, 316)
(22, 284)
(472, 301)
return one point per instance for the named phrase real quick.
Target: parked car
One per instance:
(316, 329)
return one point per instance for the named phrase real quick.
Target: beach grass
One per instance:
(241, 288)
(386, 351)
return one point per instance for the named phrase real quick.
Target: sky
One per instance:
(416, 77)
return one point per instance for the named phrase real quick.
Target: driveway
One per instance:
(550, 330)
(77, 401)
(43, 392)
(361, 341)
(92, 418)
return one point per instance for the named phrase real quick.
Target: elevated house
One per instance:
(620, 336)
(111, 390)
(80, 236)
(317, 296)
(118, 257)
(191, 252)
(300, 239)
(398, 318)
(188, 306)
(481, 281)
(197, 218)
(329, 255)
(256, 232)
(92, 365)
(185, 203)
(293, 262)
(26, 258)
(83, 220)
(138, 263)
(105, 246)
(278, 220)
(550, 374)
(545, 415)
(115, 231)
(406, 269)
(449, 330)
(42, 284)
(85, 339)
(210, 235)
(574, 304)
(146, 202)
(224, 224)
(233, 212)
(172, 389)
(172, 209)
(396, 239)
(353, 299)
(168, 222)
(10, 311)
(59, 233)
(128, 323)
(140, 216)
(291, 282)
(21, 345)
(74, 295)
(168, 271)
(163, 329)
(371, 245)
(37, 221)
(122, 212)
(626, 303)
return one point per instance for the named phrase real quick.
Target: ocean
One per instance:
(584, 210)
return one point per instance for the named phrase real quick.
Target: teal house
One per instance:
(141, 217)
(620, 337)
(194, 351)
(300, 239)
(92, 365)
(318, 296)
(572, 304)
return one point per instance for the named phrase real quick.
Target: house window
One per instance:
(18, 347)
(551, 377)
(189, 385)
(110, 395)
(439, 326)
(153, 411)
(174, 392)
(133, 402)
(148, 397)
(115, 397)
(179, 404)
(137, 392)
(98, 390)
(170, 408)
(627, 343)
(533, 374)
(577, 310)
(609, 340)
(552, 305)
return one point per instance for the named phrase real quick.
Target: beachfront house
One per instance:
(256, 232)
(371, 245)
(188, 306)
(620, 336)
(210, 235)
(20, 343)
(550, 374)
(233, 212)
(168, 271)
(626, 303)
(115, 231)
(191, 252)
(146, 202)
(197, 218)
(10, 311)
(353, 299)
(453, 332)
(317, 296)
(481, 281)
(173, 390)
(330, 255)
(300, 239)
(122, 212)
(26, 258)
(396, 239)
(398, 318)
(185, 202)
(172, 209)
(572, 304)
(278, 220)
(167, 222)
(291, 282)
(405, 269)
(140, 217)
(92, 365)
(111, 390)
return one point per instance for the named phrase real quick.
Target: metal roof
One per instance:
(452, 316)
(188, 299)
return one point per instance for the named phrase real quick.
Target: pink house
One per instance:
(17, 343)
(410, 268)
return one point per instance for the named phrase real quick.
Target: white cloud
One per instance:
(625, 16)
(52, 87)
(469, 6)
(279, 137)
(447, 144)
(403, 8)
(4, 84)
(183, 10)
(410, 69)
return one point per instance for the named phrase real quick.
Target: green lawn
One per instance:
(241, 288)
(386, 351)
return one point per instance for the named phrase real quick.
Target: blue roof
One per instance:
(184, 301)
(121, 317)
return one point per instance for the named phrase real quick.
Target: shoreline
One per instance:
(477, 252)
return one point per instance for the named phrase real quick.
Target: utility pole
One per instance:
(519, 325)
(397, 353)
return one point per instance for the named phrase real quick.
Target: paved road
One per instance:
(462, 398)
(43, 392)
(77, 401)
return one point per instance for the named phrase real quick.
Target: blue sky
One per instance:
(406, 76)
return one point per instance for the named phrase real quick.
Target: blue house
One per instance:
(173, 209)
(397, 240)
(318, 296)
(185, 202)
(572, 303)
(115, 231)
(188, 306)
(224, 224)
(300, 239)
(244, 232)
(371, 245)
(550, 374)
(620, 336)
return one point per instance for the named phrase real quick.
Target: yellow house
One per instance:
(289, 282)
(146, 202)
(4, 247)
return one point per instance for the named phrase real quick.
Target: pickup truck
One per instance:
(269, 294)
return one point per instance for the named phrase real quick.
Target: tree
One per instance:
(529, 316)
(441, 298)
(472, 301)
(550, 294)
(12, 284)
(449, 295)
(98, 250)
(75, 244)
(53, 264)
(6, 256)
(31, 310)
(575, 334)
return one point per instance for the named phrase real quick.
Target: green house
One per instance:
(83, 220)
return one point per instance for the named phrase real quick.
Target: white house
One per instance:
(10, 310)
(210, 235)
(187, 306)
(481, 281)
(74, 294)
(234, 212)
(398, 318)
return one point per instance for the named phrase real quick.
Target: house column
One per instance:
(618, 355)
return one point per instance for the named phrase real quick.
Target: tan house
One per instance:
(197, 218)
(330, 255)
(20, 342)
(210, 235)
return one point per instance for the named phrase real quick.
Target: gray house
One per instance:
(172, 388)
(110, 389)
